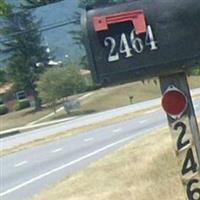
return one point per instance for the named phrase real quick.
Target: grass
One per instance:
(145, 169)
(21, 118)
(103, 99)
(117, 96)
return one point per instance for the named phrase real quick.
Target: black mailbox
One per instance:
(142, 39)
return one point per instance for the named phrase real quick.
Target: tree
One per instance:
(3, 77)
(5, 9)
(24, 46)
(59, 82)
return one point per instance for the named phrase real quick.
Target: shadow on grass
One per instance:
(45, 108)
(32, 111)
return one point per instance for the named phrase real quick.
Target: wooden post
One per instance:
(186, 137)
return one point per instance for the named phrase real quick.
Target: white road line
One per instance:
(117, 130)
(57, 150)
(65, 166)
(88, 139)
(143, 121)
(20, 164)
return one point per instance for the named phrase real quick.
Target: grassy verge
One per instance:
(143, 170)
(117, 96)
(21, 118)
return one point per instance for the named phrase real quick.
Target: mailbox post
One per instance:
(184, 131)
(140, 39)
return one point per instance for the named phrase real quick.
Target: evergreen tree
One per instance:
(24, 46)
(5, 9)
(3, 77)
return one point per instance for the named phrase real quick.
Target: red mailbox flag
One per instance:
(136, 17)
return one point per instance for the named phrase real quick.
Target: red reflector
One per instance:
(174, 102)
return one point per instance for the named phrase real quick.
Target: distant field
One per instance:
(102, 99)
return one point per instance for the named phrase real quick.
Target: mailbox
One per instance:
(141, 39)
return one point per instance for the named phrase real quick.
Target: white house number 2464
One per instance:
(136, 45)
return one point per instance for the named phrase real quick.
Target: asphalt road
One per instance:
(28, 172)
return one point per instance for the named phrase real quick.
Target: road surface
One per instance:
(28, 172)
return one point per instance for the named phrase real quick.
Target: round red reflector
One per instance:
(174, 102)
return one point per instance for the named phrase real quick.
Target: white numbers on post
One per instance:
(129, 45)
(193, 189)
